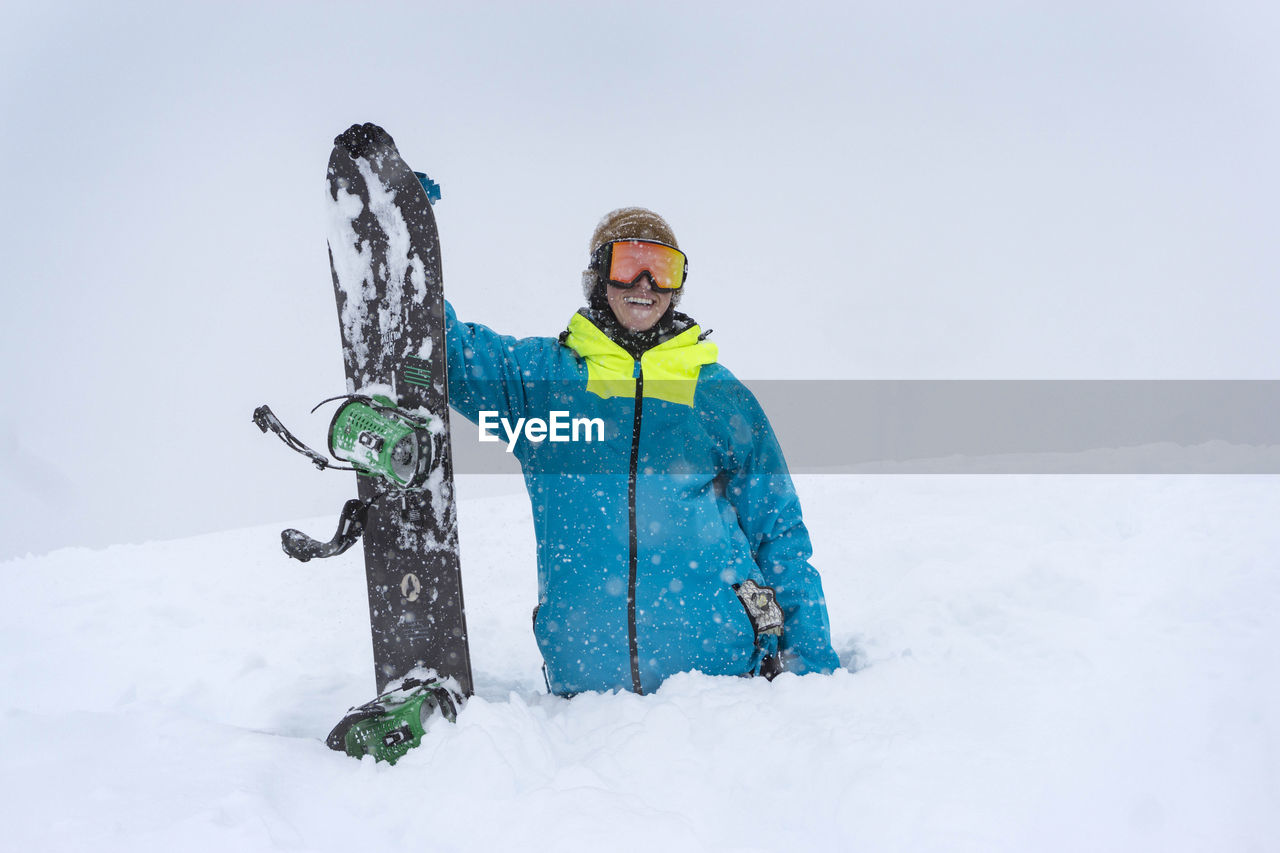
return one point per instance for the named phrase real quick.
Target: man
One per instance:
(663, 540)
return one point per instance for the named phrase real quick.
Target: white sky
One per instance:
(865, 190)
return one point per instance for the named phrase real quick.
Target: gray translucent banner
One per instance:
(999, 427)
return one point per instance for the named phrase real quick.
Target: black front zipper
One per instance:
(631, 505)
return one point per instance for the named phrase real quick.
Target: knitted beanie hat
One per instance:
(628, 223)
(632, 223)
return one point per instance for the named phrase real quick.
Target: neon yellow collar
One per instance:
(670, 369)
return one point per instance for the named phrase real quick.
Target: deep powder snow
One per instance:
(1035, 663)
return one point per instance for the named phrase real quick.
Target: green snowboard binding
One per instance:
(391, 446)
(392, 724)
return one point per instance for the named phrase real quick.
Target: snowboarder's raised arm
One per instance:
(484, 370)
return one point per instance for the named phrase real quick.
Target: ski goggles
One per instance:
(622, 262)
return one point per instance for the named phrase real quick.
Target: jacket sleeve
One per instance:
(764, 497)
(485, 371)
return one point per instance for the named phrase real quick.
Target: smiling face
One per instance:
(638, 307)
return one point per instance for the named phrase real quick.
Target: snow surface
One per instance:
(1036, 663)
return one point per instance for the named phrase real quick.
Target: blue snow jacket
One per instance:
(644, 531)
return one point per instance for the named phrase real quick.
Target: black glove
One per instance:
(361, 139)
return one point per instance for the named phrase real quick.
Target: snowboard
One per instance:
(384, 254)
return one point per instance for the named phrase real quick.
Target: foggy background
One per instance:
(865, 191)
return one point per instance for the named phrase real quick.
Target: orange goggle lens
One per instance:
(627, 260)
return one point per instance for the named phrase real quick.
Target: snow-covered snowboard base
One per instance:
(385, 257)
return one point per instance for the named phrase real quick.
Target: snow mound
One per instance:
(1033, 663)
